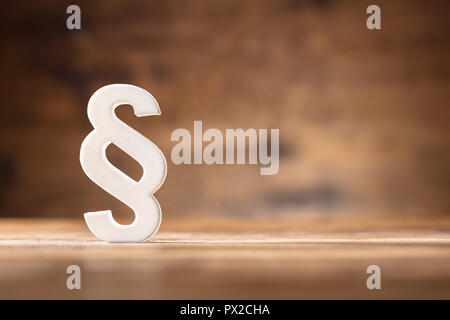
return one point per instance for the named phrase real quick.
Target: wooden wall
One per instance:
(363, 115)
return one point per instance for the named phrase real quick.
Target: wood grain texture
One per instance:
(240, 259)
(363, 115)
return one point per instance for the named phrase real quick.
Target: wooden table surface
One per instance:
(229, 259)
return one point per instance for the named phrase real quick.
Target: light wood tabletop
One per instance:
(230, 259)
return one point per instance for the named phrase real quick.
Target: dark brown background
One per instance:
(363, 115)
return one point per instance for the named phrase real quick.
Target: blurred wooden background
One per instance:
(363, 115)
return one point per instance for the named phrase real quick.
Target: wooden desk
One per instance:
(239, 259)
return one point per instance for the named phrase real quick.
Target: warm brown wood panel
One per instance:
(229, 259)
(363, 115)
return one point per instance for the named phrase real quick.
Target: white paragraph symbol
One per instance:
(136, 195)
